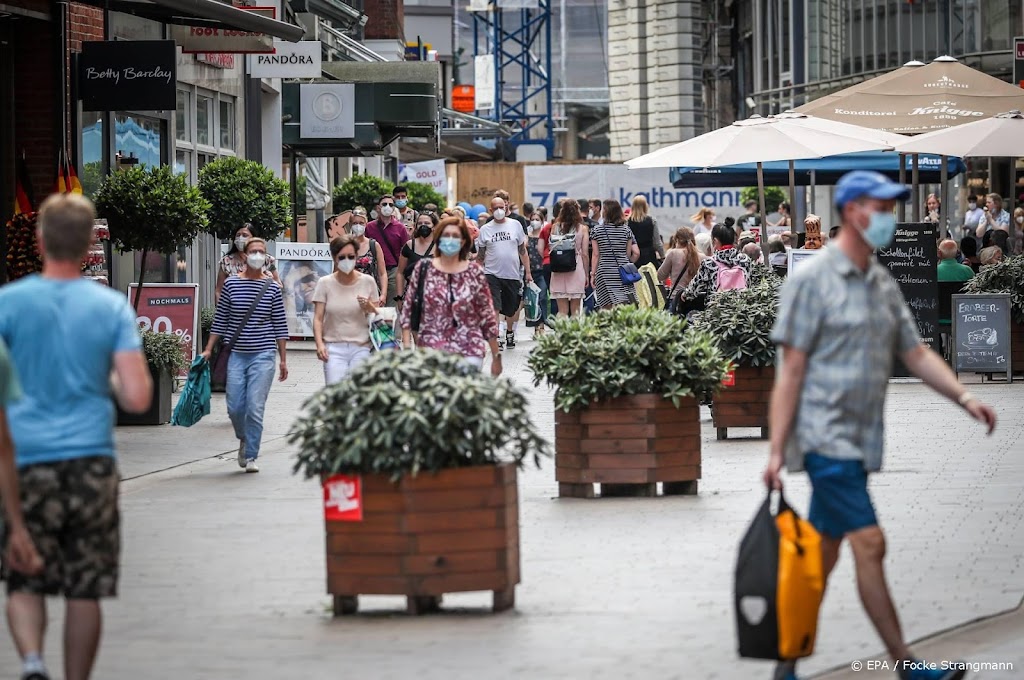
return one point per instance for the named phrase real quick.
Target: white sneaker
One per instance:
(251, 466)
(241, 453)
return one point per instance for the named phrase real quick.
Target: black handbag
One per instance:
(416, 313)
(219, 373)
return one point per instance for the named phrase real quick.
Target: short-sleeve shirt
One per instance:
(851, 324)
(344, 319)
(62, 336)
(268, 322)
(500, 243)
(10, 390)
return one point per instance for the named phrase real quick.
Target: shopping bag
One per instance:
(195, 396)
(779, 585)
(382, 329)
(532, 301)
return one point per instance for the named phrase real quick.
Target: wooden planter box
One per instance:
(628, 445)
(744, 404)
(159, 408)
(1017, 347)
(455, 531)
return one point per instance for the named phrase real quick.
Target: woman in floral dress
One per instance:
(457, 310)
(369, 256)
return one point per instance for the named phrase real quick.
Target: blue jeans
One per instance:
(250, 375)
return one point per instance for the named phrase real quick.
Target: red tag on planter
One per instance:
(730, 379)
(343, 499)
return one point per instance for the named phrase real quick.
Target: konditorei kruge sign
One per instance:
(289, 60)
(137, 75)
(327, 111)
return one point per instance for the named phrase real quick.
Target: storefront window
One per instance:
(182, 162)
(227, 124)
(92, 152)
(204, 120)
(138, 136)
(183, 121)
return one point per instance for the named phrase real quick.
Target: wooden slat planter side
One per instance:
(455, 531)
(638, 440)
(745, 404)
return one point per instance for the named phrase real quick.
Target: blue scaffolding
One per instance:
(520, 40)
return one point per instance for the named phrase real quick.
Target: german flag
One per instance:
(67, 178)
(22, 188)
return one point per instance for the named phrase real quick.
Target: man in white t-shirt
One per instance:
(501, 248)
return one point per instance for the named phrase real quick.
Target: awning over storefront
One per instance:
(392, 100)
(206, 13)
(336, 11)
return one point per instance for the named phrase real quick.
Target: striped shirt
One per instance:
(267, 324)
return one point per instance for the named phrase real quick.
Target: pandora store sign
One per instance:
(289, 60)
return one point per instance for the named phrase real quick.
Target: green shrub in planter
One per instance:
(625, 351)
(241, 191)
(406, 412)
(206, 315)
(1005, 277)
(163, 352)
(423, 194)
(361, 190)
(741, 322)
(762, 273)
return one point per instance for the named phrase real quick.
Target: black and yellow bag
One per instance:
(779, 585)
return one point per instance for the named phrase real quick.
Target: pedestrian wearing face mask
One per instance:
(457, 313)
(343, 301)
(233, 263)
(502, 245)
(369, 254)
(421, 246)
(406, 215)
(250, 317)
(829, 398)
(973, 217)
(389, 231)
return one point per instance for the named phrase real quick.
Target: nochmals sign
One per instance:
(137, 75)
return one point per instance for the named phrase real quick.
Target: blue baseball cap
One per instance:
(865, 183)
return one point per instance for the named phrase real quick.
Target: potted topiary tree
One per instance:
(418, 458)
(150, 210)
(1006, 277)
(166, 360)
(626, 414)
(741, 323)
(361, 190)
(421, 194)
(241, 191)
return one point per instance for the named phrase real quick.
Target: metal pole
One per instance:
(901, 207)
(792, 200)
(764, 215)
(814, 186)
(914, 195)
(1011, 203)
(944, 206)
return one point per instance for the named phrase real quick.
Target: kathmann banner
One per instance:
(546, 184)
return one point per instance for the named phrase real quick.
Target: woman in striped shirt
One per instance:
(253, 347)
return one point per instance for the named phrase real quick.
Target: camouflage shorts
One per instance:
(70, 510)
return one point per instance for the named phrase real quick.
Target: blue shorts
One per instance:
(840, 503)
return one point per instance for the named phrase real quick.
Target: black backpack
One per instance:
(563, 254)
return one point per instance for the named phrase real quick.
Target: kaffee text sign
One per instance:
(135, 75)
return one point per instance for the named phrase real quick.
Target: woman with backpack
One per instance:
(681, 263)
(727, 269)
(448, 304)
(614, 247)
(420, 246)
(369, 256)
(567, 256)
(645, 231)
(536, 250)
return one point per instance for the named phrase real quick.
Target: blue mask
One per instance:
(881, 230)
(449, 245)
(401, 202)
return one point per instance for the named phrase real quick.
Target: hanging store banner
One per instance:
(671, 207)
(289, 60)
(1018, 61)
(203, 39)
(425, 172)
(131, 75)
(170, 308)
(300, 266)
(327, 111)
(483, 69)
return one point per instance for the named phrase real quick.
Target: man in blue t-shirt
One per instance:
(66, 336)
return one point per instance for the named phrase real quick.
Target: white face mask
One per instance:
(373, 214)
(972, 206)
(535, 225)
(256, 260)
(499, 215)
(1020, 220)
(346, 266)
(241, 241)
(357, 230)
(386, 210)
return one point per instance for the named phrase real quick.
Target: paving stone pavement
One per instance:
(223, 573)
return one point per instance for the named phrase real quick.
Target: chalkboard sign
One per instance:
(981, 334)
(913, 261)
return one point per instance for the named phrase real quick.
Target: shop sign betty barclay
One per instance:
(135, 75)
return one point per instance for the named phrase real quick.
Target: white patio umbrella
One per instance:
(999, 136)
(788, 136)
